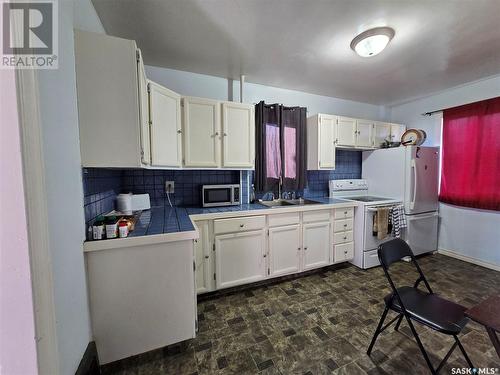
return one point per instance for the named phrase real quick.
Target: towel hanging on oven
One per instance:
(381, 223)
(398, 220)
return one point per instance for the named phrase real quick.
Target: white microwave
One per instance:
(220, 195)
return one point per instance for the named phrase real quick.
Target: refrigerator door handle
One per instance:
(414, 166)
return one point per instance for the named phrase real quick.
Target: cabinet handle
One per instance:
(298, 248)
(206, 257)
(225, 134)
(345, 252)
(345, 225)
(179, 131)
(242, 225)
(345, 238)
(305, 248)
(345, 212)
(265, 255)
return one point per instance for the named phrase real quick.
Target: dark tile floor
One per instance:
(322, 324)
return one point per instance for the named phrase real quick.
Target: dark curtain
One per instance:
(291, 124)
(294, 165)
(265, 114)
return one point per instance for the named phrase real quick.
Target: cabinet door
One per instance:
(203, 259)
(284, 250)
(382, 132)
(165, 119)
(346, 131)
(143, 111)
(343, 252)
(397, 131)
(364, 133)
(238, 135)
(201, 132)
(240, 258)
(327, 137)
(316, 239)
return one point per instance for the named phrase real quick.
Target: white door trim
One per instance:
(37, 219)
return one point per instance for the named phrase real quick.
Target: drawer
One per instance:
(343, 252)
(344, 213)
(370, 259)
(320, 215)
(242, 224)
(342, 225)
(277, 220)
(342, 237)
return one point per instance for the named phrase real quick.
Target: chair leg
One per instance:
(421, 346)
(377, 331)
(399, 322)
(469, 362)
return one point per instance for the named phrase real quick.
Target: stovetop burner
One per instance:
(367, 199)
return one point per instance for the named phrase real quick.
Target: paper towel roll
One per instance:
(124, 203)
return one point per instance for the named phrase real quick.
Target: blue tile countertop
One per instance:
(164, 220)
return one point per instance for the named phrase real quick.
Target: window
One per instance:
(280, 142)
(470, 172)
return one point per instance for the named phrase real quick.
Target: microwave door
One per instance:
(217, 197)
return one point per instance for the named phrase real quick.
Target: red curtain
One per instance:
(470, 173)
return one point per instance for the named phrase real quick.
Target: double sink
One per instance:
(287, 202)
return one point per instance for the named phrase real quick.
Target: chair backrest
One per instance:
(393, 251)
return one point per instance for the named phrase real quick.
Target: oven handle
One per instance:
(375, 209)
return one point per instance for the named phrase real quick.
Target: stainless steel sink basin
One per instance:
(302, 202)
(277, 203)
(287, 202)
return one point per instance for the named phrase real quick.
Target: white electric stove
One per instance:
(365, 243)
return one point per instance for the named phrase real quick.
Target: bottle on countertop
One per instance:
(98, 229)
(123, 229)
(252, 194)
(111, 227)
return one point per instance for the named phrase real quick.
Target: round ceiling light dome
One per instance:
(372, 42)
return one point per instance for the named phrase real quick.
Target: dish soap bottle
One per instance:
(252, 194)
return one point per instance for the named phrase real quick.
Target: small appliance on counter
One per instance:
(220, 195)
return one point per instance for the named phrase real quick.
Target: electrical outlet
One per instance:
(169, 187)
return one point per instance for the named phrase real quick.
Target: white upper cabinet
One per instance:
(165, 126)
(346, 132)
(364, 133)
(112, 101)
(143, 112)
(321, 140)
(238, 135)
(382, 132)
(397, 131)
(201, 132)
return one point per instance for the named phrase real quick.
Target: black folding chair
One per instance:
(416, 305)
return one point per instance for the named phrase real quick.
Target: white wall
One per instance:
(193, 84)
(468, 232)
(86, 17)
(59, 117)
(17, 327)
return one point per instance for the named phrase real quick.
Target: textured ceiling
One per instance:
(304, 44)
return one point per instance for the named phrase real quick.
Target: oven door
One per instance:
(371, 242)
(217, 196)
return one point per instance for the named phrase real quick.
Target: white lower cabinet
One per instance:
(316, 241)
(240, 258)
(344, 252)
(203, 259)
(284, 250)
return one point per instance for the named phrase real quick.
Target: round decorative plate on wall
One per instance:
(413, 137)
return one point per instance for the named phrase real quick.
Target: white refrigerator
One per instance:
(410, 174)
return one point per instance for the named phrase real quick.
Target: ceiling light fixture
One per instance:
(372, 42)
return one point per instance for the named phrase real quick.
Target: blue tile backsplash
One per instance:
(101, 185)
